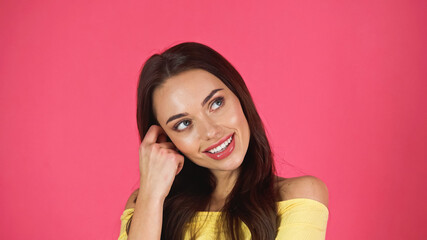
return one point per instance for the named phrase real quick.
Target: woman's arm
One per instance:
(147, 216)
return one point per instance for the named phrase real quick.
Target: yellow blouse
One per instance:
(301, 219)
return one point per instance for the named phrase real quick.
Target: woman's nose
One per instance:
(211, 130)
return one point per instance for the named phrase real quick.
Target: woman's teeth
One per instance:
(221, 147)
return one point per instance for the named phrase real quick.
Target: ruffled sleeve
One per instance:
(124, 219)
(302, 219)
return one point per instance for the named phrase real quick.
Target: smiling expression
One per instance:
(198, 112)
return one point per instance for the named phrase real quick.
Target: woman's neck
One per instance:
(225, 181)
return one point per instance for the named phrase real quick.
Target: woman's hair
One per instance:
(254, 197)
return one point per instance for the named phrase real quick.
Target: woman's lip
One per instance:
(225, 153)
(218, 143)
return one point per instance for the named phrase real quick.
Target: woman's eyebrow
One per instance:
(207, 98)
(211, 95)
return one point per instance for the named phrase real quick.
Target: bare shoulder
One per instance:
(303, 187)
(132, 200)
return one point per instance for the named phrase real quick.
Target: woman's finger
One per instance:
(168, 145)
(179, 168)
(152, 134)
(162, 138)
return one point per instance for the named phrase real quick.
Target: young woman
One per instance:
(206, 167)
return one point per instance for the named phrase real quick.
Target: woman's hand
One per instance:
(159, 163)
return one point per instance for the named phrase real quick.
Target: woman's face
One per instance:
(204, 120)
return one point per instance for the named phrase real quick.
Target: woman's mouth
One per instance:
(222, 150)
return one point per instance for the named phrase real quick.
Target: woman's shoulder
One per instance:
(303, 187)
(131, 202)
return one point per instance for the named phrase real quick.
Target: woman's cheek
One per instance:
(186, 144)
(234, 119)
(236, 115)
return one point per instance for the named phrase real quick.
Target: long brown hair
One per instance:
(254, 197)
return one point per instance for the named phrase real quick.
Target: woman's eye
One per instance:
(217, 103)
(182, 125)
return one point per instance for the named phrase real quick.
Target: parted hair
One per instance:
(253, 200)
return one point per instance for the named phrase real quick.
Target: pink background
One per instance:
(340, 85)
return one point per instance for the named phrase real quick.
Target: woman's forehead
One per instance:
(185, 90)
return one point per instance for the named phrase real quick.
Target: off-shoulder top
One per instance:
(301, 219)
